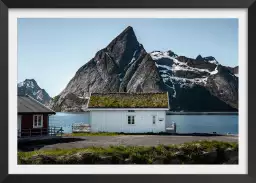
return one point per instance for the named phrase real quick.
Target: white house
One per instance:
(128, 112)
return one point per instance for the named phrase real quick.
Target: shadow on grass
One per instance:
(175, 134)
(32, 145)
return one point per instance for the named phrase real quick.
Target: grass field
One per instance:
(198, 152)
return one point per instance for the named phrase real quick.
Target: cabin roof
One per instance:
(129, 100)
(27, 104)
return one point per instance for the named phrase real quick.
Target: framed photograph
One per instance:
(126, 88)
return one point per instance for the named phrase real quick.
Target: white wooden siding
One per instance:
(117, 121)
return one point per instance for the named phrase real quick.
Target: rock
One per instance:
(200, 84)
(175, 161)
(233, 160)
(122, 66)
(211, 156)
(231, 154)
(73, 159)
(127, 161)
(42, 159)
(104, 160)
(31, 88)
(158, 161)
(179, 153)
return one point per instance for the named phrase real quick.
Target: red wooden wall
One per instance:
(27, 124)
(27, 121)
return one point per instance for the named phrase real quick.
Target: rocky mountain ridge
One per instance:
(30, 87)
(200, 84)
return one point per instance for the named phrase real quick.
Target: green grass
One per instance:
(126, 100)
(91, 134)
(188, 152)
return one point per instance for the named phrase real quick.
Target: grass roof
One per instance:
(128, 100)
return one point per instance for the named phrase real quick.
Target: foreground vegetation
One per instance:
(78, 134)
(81, 134)
(198, 152)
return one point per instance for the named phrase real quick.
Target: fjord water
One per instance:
(221, 124)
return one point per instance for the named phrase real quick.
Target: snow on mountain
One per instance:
(30, 87)
(168, 64)
(200, 84)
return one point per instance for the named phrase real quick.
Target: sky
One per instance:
(52, 50)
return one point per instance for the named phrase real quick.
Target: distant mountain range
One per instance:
(30, 87)
(200, 84)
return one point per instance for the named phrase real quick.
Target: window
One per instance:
(37, 121)
(131, 120)
(131, 111)
(154, 119)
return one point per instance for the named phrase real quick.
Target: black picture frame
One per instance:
(250, 5)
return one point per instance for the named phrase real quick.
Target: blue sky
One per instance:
(52, 50)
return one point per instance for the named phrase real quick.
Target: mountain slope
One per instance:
(30, 87)
(123, 66)
(200, 84)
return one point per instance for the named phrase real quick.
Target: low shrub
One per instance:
(198, 152)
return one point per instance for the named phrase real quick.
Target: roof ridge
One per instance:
(39, 102)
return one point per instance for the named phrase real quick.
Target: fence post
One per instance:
(54, 130)
(41, 131)
(30, 132)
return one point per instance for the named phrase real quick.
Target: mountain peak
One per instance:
(123, 48)
(30, 87)
(199, 57)
(124, 36)
(128, 29)
(28, 80)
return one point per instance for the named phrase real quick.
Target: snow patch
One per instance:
(29, 84)
(177, 65)
(134, 58)
(163, 66)
(20, 84)
(168, 72)
(215, 71)
(213, 62)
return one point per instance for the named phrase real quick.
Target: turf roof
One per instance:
(128, 100)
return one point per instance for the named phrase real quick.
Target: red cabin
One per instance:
(33, 117)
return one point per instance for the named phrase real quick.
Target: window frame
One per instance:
(131, 118)
(35, 123)
(153, 119)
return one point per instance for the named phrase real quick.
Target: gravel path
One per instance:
(140, 140)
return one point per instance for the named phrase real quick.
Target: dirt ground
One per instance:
(134, 140)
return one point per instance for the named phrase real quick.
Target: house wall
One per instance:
(117, 121)
(27, 123)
